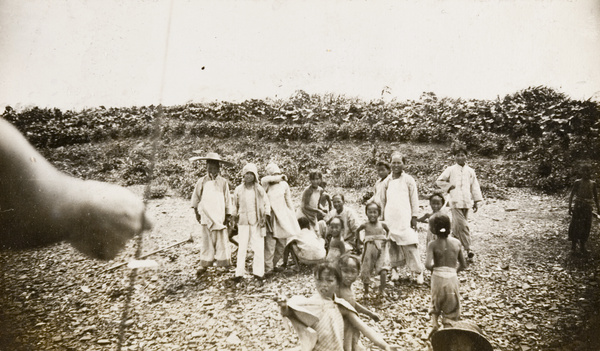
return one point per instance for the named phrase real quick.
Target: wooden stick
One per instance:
(190, 239)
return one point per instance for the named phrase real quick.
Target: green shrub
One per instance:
(537, 124)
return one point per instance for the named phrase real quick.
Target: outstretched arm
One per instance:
(362, 309)
(40, 205)
(424, 218)
(367, 331)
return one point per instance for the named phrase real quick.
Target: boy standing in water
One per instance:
(460, 181)
(212, 206)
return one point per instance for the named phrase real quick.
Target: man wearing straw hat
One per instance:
(212, 206)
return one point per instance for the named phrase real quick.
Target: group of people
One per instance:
(326, 233)
(262, 213)
(41, 206)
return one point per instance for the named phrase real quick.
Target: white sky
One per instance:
(82, 53)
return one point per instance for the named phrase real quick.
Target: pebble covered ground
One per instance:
(526, 290)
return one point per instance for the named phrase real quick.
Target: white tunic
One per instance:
(400, 199)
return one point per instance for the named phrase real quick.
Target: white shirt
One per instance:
(466, 187)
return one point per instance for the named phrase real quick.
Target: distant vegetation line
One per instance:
(540, 135)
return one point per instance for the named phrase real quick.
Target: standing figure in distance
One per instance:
(283, 217)
(461, 182)
(211, 202)
(383, 171)
(251, 212)
(584, 194)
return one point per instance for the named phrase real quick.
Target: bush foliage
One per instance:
(547, 130)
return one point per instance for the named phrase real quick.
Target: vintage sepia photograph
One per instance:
(300, 175)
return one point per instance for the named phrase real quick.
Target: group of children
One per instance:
(325, 233)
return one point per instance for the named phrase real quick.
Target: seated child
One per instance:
(436, 202)
(325, 204)
(350, 268)
(375, 246)
(335, 251)
(445, 258)
(319, 320)
(305, 248)
(310, 204)
(349, 220)
(335, 245)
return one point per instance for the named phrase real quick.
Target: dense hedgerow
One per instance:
(539, 125)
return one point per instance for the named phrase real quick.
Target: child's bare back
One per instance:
(447, 252)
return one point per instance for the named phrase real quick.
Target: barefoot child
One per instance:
(336, 246)
(212, 207)
(374, 256)
(445, 259)
(583, 194)
(350, 268)
(436, 202)
(319, 320)
(251, 209)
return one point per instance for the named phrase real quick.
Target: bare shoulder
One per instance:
(454, 241)
(432, 245)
